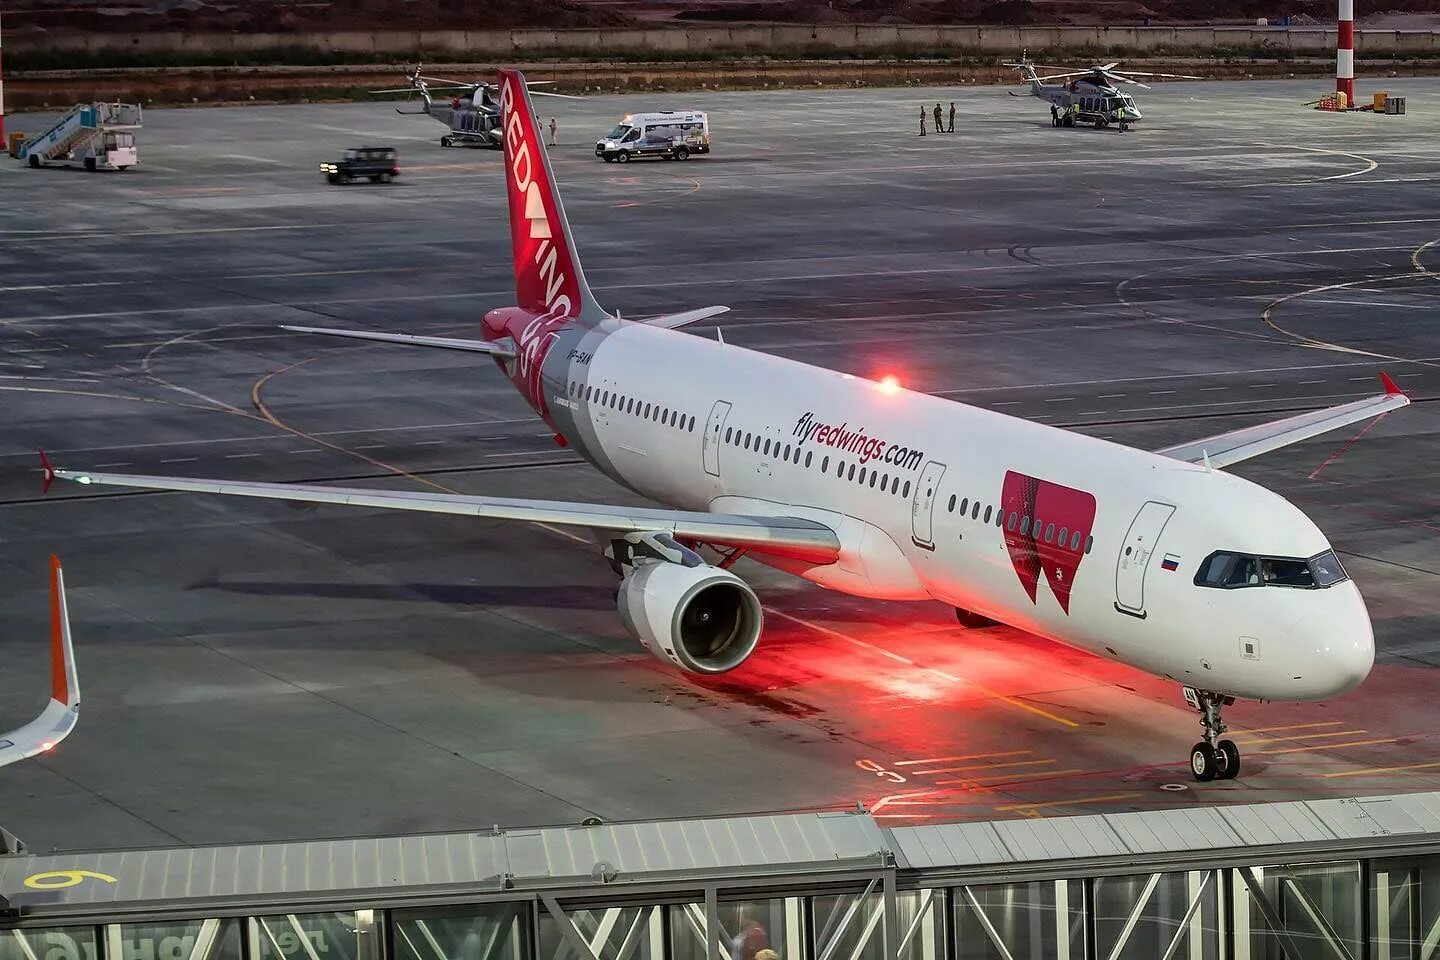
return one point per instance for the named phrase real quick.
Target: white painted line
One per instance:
(303, 453)
(1158, 393)
(1110, 396)
(181, 460)
(122, 463)
(1263, 386)
(1058, 399)
(241, 456)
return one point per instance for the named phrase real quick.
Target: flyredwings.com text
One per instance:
(866, 448)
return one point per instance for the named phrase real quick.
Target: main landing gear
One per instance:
(1212, 758)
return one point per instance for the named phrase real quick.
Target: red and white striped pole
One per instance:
(1345, 53)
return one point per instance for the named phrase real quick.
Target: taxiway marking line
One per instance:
(1293, 726)
(1301, 736)
(1012, 701)
(969, 756)
(1330, 746)
(1373, 770)
(980, 768)
(1018, 807)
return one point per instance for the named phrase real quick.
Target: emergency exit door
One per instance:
(710, 444)
(1136, 553)
(922, 508)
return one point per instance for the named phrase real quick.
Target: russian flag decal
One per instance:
(1171, 561)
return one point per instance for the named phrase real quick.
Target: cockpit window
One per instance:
(1327, 570)
(1228, 571)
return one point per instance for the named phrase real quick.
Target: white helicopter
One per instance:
(472, 114)
(1093, 90)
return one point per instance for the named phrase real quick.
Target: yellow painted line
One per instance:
(982, 768)
(1305, 736)
(1293, 726)
(1065, 803)
(1330, 746)
(1373, 770)
(969, 756)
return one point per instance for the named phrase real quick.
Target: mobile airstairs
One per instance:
(98, 135)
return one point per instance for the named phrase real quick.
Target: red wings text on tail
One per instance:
(548, 278)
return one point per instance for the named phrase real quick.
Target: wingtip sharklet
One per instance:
(63, 687)
(1391, 387)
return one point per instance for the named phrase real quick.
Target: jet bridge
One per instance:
(98, 135)
(1346, 879)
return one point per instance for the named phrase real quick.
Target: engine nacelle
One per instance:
(698, 617)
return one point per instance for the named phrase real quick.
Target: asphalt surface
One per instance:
(256, 670)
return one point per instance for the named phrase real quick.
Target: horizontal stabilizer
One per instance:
(62, 712)
(673, 320)
(1224, 449)
(440, 343)
(793, 537)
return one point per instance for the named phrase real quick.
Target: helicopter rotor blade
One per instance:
(1062, 76)
(1168, 76)
(1135, 83)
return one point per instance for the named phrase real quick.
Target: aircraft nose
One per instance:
(1343, 643)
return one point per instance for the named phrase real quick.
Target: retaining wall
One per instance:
(637, 43)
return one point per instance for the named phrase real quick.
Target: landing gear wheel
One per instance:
(1229, 757)
(1204, 763)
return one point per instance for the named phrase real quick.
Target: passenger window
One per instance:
(824, 464)
(767, 448)
(999, 518)
(1011, 524)
(951, 508)
(872, 480)
(646, 414)
(862, 476)
(895, 485)
(1089, 543)
(907, 489)
(1025, 524)
(748, 438)
(1049, 532)
(851, 475)
(1061, 536)
(1075, 540)
(787, 451)
(975, 511)
(964, 506)
(840, 469)
(987, 514)
(808, 456)
(727, 434)
(692, 425)
(885, 482)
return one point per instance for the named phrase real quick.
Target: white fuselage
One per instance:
(1148, 521)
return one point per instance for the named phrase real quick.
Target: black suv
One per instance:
(377, 163)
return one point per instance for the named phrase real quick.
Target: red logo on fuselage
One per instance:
(1051, 529)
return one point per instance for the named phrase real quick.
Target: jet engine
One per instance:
(698, 617)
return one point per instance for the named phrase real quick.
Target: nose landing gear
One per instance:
(1212, 758)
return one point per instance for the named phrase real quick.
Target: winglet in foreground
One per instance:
(63, 711)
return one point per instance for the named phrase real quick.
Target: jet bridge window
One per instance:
(1228, 570)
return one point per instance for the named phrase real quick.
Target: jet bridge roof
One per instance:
(616, 860)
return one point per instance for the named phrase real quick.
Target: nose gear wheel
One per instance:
(1212, 758)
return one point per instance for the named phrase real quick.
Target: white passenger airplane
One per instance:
(864, 487)
(62, 712)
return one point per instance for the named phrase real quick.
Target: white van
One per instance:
(672, 134)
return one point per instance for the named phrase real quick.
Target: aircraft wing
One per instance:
(793, 537)
(1223, 449)
(442, 343)
(63, 711)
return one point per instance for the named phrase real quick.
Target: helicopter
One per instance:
(1094, 89)
(472, 114)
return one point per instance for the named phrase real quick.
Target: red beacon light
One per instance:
(890, 384)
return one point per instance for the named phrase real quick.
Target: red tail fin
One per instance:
(548, 279)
